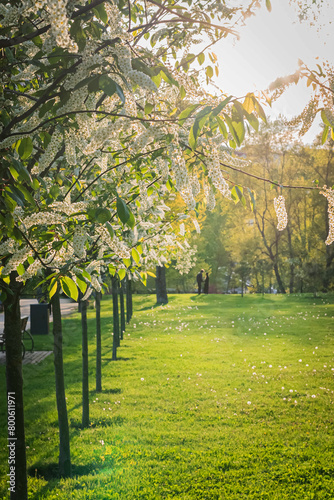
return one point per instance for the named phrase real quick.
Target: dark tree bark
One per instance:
(85, 380)
(279, 279)
(128, 300)
(16, 434)
(64, 435)
(160, 283)
(98, 342)
(292, 265)
(115, 344)
(121, 297)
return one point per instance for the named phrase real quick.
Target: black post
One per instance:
(160, 283)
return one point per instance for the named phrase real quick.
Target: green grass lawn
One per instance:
(213, 397)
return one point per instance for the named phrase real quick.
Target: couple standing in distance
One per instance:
(200, 279)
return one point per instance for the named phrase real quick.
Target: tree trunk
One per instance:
(17, 469)
(121, 295)
(128, 299)
(279, 279)
(85, 381)
(292, 265)
(160, 283)
(64, 436)
(115, 344)
(98, 342)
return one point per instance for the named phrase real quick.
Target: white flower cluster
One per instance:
(282, 216)
(197, 226)
(17, 258)
(114, 243)
(48, 156)
(79, 240)
(209, 196)
(31, 271)
(69, 208)
(101, 135)
(124, 62)
(163, 169)
(217, 177)
(59, 22)
(185, 259)
(10, 15)
(329, 194)
(70, 153)
(195, 185)
(43, 218)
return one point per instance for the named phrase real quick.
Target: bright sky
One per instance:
(270, 45)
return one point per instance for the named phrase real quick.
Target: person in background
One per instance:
(199, 279)
(206, 283)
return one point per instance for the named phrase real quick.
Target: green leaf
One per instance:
(143, 277)
(199, 123)
(221, 106)
(182, 92)
(109, 87)
(135, 256)
(252, 120)
(209, 71)
(53, 288)
(131, 220)
(101, 13)
(268, 5)
(127, 262)
(25, 148)
(110, 229)
(81, 284)
(23, 173)
(101, 215)
(123, 211)
(69, 287)
(46, 107)
(187, 112)
(252, 196)
(324, 118)
(325, 134)
(201, 58)
(121, 274)
(231, 129)
(148, 108)
(20, 269)
(151, 274)
(222, 127)
(139, 249)
(239, 192)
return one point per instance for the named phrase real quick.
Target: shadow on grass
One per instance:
(155, 306)
(98, 422)
(51, 471)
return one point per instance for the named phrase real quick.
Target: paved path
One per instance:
(66, 305)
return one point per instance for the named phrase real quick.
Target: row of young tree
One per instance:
(103, 115)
